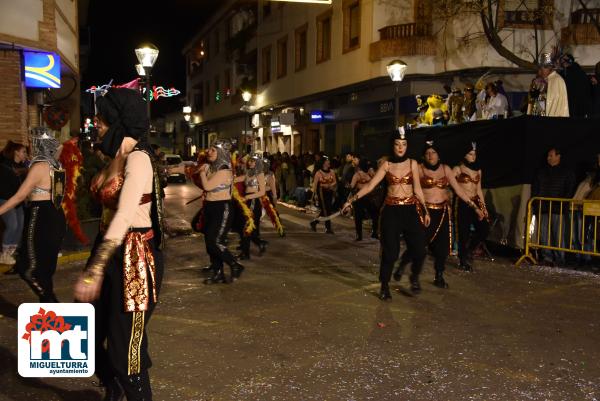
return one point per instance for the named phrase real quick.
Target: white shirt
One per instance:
(497, 105)
(557, 104)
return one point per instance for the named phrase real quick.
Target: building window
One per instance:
(324, 36)
(227, 88)
(266, 8)
(207, 93)
(300, 47)
(207, 48)
(282, 50)
(217, 44)
(266, 65)
(351, 25)
(218, 93)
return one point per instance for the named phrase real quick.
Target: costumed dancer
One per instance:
(254, 187)
(270, 182)
(468, 175)
(324, 187)
(366, 205)
(436, 178)
(269, 200)
(125, 269)
(216, 180)
(404, 212)
(44, 224)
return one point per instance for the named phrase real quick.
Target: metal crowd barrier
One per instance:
(561, 225)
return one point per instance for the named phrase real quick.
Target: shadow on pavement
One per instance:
(8, 309)
(17, 388)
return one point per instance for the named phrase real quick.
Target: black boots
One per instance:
(236, 271)
(384, 292)
(217, 277)
(439, 280)
(465, 265)
(114, 391)
(313, 225)
(415, 286)
(262, 247)
(137, 387)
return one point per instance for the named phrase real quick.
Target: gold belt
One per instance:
(138, 262)
(395, 201)
(437, 206)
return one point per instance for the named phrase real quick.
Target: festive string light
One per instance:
(157, 91)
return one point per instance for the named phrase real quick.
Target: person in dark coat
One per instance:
(554, 180)
(596, 91)
(579, 88)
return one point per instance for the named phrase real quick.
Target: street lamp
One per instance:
(146, 55)
(246, 95)
(396, 70)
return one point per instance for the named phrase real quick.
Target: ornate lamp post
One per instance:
(247, 96)
(146, 54)
(396, 70)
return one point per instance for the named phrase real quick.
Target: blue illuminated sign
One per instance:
(42, 70)
(316, 116)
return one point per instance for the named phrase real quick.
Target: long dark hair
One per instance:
(10, 149)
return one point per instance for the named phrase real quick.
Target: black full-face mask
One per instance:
(124, 111)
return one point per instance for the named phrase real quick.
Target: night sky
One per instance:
(118, 27)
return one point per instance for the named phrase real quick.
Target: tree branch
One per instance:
(495, 41)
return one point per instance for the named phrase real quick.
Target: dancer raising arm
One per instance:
(404, 212)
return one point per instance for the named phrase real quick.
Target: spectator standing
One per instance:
(588, 189)
(596, 91)
(12, 171)
(557, 102)
(579, 87)
(554, 180)
(496, 105)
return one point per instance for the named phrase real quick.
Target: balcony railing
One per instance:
(404, 31)
(523, 17)
(582, 30)
(582, 17)
(415, 39)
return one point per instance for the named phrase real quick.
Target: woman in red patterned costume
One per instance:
(124, 272)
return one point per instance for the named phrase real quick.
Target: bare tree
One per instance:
(493, 24)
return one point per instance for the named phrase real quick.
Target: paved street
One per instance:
(304, 323)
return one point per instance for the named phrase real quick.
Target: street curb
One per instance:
(73, 257)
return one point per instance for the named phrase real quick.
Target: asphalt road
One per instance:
(304, 323)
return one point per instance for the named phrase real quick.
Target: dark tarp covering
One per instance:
(510, 151)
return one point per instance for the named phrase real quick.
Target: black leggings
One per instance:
(217, 223)
(437, 236)
(467, 241)
(397, 220)
(326, 204)
(363, 207)
(40, 244)
(121, 339)
(255, 205)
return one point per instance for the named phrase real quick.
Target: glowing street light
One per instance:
(396, 70)
(146, 55)
(246, 96)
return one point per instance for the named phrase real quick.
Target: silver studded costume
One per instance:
(44, 220)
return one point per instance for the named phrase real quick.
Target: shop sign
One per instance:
(42, 70)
